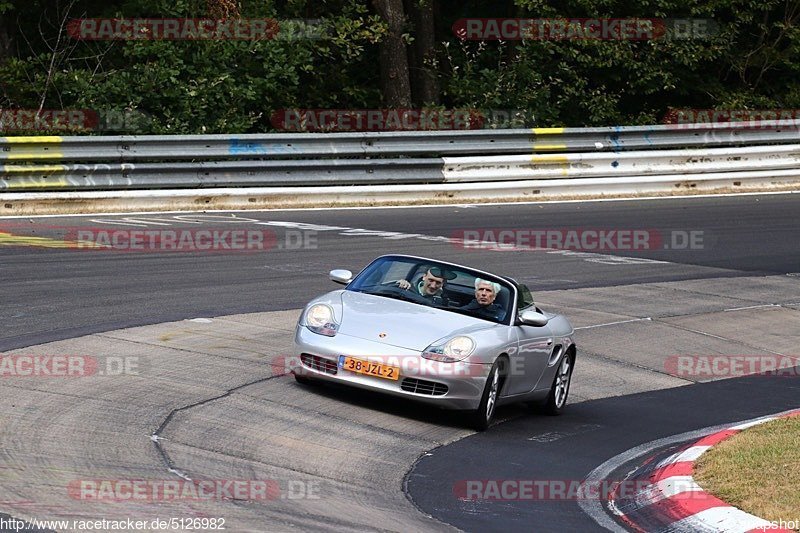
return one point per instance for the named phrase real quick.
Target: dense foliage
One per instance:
(397, 53)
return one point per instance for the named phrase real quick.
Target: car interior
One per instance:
(460, 291)
(457, 292)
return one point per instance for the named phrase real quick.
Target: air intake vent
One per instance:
(557, 351)
(421, 386)
(320, 364)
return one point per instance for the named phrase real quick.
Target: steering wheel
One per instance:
(407, 294)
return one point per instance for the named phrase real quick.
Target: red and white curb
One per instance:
(673, 493)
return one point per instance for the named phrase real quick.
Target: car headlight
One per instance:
(453, 350)
(319, 319)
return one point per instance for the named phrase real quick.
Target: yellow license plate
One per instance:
(369, 368)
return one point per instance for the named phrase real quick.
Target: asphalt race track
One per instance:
(208, 332)
(568, 448)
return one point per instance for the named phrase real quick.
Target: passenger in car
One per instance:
(483, 305)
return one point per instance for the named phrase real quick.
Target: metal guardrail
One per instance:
(625, 164)
(207, 161)
(208, 174)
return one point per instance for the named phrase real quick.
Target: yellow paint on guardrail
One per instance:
(547, 145)
(30, 148)
(541, 146)
(32, 169)
(41, 139)
(18, 176)
(551, 160)
(16, 183)
(29, 155)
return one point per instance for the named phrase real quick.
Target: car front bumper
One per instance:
(419, 379)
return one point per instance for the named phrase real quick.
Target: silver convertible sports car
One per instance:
(438, 333)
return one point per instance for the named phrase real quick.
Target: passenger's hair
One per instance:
(495, 286)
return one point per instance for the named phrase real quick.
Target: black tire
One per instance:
(559, 391)
(481, 418)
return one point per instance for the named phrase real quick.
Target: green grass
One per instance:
(757, 470)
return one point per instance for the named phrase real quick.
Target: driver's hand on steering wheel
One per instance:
(404, 284)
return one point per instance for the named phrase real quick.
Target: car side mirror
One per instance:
(533, 318)
(341, 276)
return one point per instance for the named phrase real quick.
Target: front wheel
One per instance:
(483, 415)
(557, 398)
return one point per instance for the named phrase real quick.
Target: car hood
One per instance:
(402, 324)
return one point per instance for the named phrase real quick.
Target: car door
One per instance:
(534, 347)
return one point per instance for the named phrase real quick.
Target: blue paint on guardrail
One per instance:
(238, 147)
(614, 140)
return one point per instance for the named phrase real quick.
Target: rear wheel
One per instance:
(483, 415)
(557, 398)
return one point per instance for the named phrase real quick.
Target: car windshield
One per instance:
(455, 289)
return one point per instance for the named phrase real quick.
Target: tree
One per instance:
(7, 47)
(422, 53)
(399, 53)
(395, 82)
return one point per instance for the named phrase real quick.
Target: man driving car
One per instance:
(431, 285)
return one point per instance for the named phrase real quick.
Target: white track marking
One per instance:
(394, 235)
(689, 454)
(751, 307)
(645, 319)
(607, 259)
(129, 221)
(169, 221)
(752, 423)
(199, 219)
(447, 206)
(725, 520)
